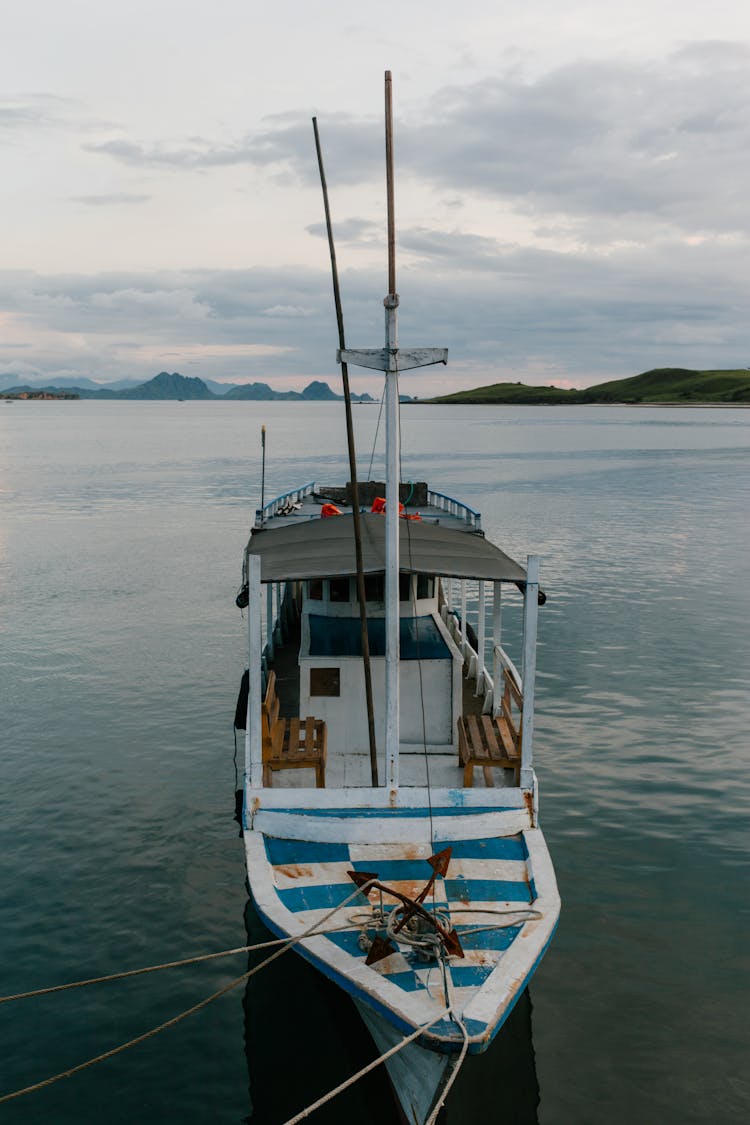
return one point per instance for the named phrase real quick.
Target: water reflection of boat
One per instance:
(285, 1039)
(407, 864)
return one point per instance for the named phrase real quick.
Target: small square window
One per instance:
(339, 589)
(325, 681)
(404, 587)
(375, 587)
(316, 590)
(425, 586)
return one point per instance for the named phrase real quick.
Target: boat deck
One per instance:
(296, 507)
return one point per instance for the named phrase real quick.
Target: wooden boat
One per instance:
(428, 896)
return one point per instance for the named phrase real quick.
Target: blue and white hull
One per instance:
(499, 894)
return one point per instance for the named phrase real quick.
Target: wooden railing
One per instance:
(509, 714)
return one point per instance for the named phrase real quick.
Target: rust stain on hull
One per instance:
(295, 871)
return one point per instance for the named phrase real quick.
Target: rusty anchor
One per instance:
(413, 909)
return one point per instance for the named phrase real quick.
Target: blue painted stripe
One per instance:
(489, 939)
(348, 940)
(470, 976)
(465, 810)
(304, 851)
(486, 890)
(497, 847)
(452, 1031)
(317, 897)
(405, 980)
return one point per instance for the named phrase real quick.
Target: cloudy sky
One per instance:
(573, 187)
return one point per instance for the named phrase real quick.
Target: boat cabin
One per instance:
(460, 721)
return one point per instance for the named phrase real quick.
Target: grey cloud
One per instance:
(349, 230)
(596, 144)
(112, 199)
(500, 308)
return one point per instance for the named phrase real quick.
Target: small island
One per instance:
(46, 393)
(663, 386)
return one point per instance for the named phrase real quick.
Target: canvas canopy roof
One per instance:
(324, 548)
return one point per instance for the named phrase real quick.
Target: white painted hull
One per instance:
(418, 1076)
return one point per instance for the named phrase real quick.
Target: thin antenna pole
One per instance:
(389, 184)
(352, 473)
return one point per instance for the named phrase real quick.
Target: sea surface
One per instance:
(121, 533)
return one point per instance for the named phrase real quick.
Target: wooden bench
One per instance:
(493, 742)
(290, 744)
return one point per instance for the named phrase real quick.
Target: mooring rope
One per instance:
(286, 944)
(384, 1058)
(447, 1088)
(140, 972)
(365, 1070)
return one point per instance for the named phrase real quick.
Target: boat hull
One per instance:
(418, 1076)
(499, 893)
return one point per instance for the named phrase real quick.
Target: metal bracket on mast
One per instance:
(396, 359)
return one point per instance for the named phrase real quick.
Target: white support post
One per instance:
(530, 615)
(481, 644)
(463, 617)
(253, 736)
(392, 600)
(269, 620)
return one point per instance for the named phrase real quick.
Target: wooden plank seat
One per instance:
(290, 744)
(492, 742)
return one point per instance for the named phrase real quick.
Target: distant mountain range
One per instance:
(663, 385)
(170, 387)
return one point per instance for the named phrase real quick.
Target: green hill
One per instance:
(677, 385)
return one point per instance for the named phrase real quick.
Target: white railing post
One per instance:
(530, 615)
(269, 620)
(253, 737)
(497, 621)
(463, 617)
(277, 625)
(481, 629)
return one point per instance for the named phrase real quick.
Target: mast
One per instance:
(391, 359)
(392, 474)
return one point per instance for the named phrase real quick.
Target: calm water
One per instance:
(121, 531)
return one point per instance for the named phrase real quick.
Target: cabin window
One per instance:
(325, 681)
(339, 589)
(375, 587)
(404, 587)
(425, 586)
(315, 589)
(420, 638)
